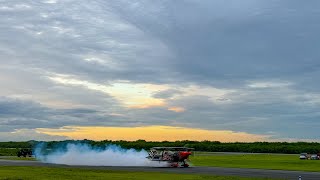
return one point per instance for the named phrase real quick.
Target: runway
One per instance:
(192, 170)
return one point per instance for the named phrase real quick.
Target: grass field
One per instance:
(18, 158)
(45, 173)
(258, 161)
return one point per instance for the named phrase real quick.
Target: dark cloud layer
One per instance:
(167, 93)
(231, 41)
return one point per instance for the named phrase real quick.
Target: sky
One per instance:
(224, 70)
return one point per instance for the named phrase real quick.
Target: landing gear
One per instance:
(185, 165)
(175, 165)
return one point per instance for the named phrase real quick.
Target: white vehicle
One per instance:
(303, 156)
(314, 157)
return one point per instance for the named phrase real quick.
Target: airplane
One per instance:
(174, 156)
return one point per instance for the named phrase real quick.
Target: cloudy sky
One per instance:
(225, 70)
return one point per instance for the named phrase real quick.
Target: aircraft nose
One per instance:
(185, 154)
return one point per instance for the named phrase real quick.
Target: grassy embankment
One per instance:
(18, 158)
(257, 161)
(45, 173)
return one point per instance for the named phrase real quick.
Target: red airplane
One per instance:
(174, 156)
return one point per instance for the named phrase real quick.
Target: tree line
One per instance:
(209, 146)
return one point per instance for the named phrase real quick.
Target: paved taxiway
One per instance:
(192, 170)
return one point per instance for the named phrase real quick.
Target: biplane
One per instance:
(174, 156)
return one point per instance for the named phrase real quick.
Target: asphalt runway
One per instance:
(192, 170)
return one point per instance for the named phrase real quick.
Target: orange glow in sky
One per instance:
(176, 109)
(152, 133)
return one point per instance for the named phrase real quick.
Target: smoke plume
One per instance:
(83, 154)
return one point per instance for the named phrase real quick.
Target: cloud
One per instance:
(176, 109)
(244, 66)
(129, 94)
(166, 93)
(29, 134)
(268, 84)
(221, 42)
(20, 114)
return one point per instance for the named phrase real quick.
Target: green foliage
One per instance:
(12, 144)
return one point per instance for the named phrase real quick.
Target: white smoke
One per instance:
(83, 154)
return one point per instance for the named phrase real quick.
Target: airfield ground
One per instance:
(256, 161)
(206, 165)
(246, 160)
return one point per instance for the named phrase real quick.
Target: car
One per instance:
(314, 157)
(303, 156)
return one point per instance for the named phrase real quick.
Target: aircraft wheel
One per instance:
(174, 165)
(186, 165)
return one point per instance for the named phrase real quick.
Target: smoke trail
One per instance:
(83, 154)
